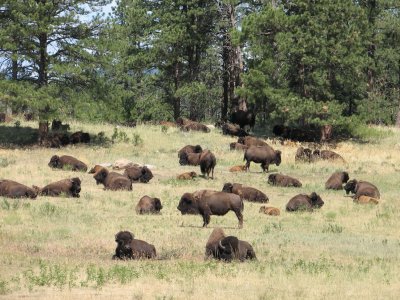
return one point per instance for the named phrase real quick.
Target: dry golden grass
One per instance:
(61, 248)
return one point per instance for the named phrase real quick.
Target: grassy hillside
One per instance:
(61, 248)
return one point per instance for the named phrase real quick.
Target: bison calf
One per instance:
(245, 192)
(213, 203)
(366, 200)
(112, 180)
(186, 176)
(304, 202)
(148, 205)
(335, 182)
(271, 211)
(66, 161)
(283, 180)
(237, 169)
(130, 248)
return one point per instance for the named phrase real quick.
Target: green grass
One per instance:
(61, 247)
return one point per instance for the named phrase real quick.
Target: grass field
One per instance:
(61, 248)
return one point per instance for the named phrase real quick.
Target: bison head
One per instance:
(55, 162)
(183, 159)
(85, 137)
(241, 140)
(272, 179)
(278, 158)
(350, 186)
(124, 248)
(146, 175)
(157, 204)
(31, 193)
(188, 204)
(228, 248)
(227, 187)
(198, 149)
(316, 200)
(101, 175)
(76, 186)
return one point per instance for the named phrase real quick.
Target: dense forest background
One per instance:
(295, 62)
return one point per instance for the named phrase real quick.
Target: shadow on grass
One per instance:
(15, 137)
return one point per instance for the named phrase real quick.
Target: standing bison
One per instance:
(245, 192)
(362, 188)
(228, 248)
(112, 180)
(207, 163)
(283, 180)
(138, 174)
(262, 155)
(304, 202)
(13, 189)
(213, 203)
(130, 248)
(243, 118)
(335, 182)
(148, 205)
(66, 161)
(68, 187)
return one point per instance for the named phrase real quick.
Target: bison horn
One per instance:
(220, 245)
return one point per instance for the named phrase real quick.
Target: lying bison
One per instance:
(243, 118)
(68, 162)
(362, 188)
(95, 169)
(148, 205)
(271, 211)
(190, 149)
(138, 174)
(13, 189)
(228, 248)
(131, 248)
(335, 182)
(366, 200)
(304, 202)
(187, 125)
(112, 180)
(213, 203)
(237, 169)
(68, 187)
(186, 176)
(251, 141)
(233, 130)
(262, 155)
(304, 154)
(237, 146)
(80, 137)
(245, 192)
(207, 163)
(190, 159)
(283, 180)
(327, 155)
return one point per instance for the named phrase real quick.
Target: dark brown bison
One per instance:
(335, 182)
(187, 176)
(68, 187)
(148, 205)
(306, 134)
(237, 146)
(215, 203)
(271, 211)
(243, 118)
(327, 155)
(262, 155)
(189, 149)
(138, 174)
(283, 180)
(190, 159)
(112, 180)
(233, 130)
(251, 141)
(245, 192)
(66, 161)
(362, 188)
(57, 125)
(95, 169)
(80, 137)
(130, 248)
(304, 154)
(195, 126)
(237, 169)
(228, 248)
(304, 202)
(13, 189)
(55, 140)
(207, 163)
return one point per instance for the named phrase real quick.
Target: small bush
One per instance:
(332, 228)
(137, 139)
(119, 136)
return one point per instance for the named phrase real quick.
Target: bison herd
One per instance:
(204, 203)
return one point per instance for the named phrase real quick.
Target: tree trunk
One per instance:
(14, 69)
(43, 59)
(176, 100)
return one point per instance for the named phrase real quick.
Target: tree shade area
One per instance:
(292, 62)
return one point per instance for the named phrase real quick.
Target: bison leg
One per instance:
(240, 218)
(206, 219)
(247, 165)
(264, 167)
